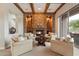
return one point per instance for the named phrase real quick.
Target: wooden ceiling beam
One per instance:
(37, 13)
(32, 7)
(46, 7)
(16, 4)
(59, 7)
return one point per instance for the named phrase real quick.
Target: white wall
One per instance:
(5, 11)
(61, 11)
(2, 12)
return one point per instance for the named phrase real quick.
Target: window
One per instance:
(68, 23)
(63, 25)
(74, 23)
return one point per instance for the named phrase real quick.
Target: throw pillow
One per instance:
(15, 39)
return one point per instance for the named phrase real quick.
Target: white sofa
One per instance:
(61, 47)
(21, 47)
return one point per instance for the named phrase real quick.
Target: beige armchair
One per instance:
(50, 37)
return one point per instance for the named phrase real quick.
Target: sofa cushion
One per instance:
(21, 38)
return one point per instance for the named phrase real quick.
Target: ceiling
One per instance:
(25, 7)
(53, 7)
(39, 7)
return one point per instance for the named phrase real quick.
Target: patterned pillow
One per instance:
(15, 39)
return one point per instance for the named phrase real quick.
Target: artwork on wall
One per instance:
(12, 30)
(12, 24)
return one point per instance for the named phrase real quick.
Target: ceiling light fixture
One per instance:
(39, 8)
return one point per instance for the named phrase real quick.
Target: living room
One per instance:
(37, 29)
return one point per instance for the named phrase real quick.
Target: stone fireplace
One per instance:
(38, 22)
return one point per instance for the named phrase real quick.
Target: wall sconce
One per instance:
(29, 19)
(47, 19)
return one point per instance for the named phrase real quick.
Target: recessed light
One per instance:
(39, 8)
